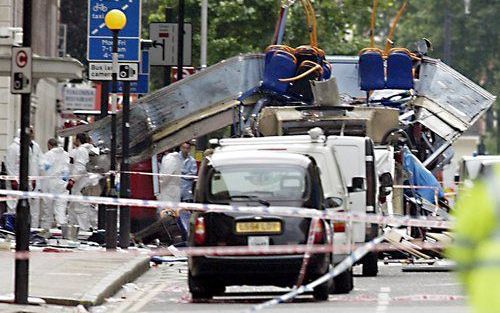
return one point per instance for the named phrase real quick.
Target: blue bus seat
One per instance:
(399, 71)
(371, 70)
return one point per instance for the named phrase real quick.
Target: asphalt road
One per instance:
(164, 289)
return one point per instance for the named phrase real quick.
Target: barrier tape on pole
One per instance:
(341, 267)
(280, 211)
(22, 255)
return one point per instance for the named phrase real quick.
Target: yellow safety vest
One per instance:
(477, 246)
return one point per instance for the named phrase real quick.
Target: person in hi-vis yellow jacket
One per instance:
(476, 247)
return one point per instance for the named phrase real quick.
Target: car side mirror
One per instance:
(333, 202)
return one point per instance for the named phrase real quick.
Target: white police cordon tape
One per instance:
(337, 270)
(307, 255)
(280, 211)
(94, 175)
(158, 174)
(65, 177)
(284, 249)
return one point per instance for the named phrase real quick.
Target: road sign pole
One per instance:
(180, 40)
(101, 209)
(21, 284)
(203, 39)
(104, 98)
(124, 168)
(169, 18)
(111, 232)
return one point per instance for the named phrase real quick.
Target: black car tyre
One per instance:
(343, 283)
(370, 265)
(322, 292)
(199, 289)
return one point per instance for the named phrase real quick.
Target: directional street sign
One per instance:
(103, 70)
(100, 38)
(21, 70)
(164, 50)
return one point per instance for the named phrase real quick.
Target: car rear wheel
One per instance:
(343, 283)
(322, 292)
(370, 265)
(200, 289)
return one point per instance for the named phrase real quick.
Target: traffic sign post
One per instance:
(21, 75)
(164, 50)
(21, 70)
(100, 38)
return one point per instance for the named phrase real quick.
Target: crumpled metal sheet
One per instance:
(153, 113)
(453, 92)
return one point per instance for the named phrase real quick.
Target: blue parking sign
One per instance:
(100, 38)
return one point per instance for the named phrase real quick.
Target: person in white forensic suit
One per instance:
(55, 164)
(170, 186)
(79, 212)
(12, 160)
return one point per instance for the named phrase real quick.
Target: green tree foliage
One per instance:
(74, 15)
(243, 26)
(473, 37)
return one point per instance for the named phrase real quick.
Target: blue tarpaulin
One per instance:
(420, 176)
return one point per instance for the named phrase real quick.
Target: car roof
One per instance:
(221, 158)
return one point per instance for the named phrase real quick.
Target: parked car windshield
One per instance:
(259, 183)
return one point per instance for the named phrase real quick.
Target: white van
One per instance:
(347, 167)
(474, 167)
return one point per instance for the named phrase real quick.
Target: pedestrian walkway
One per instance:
(74, 278)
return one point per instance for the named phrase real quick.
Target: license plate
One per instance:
(258, 227)
(260, 241)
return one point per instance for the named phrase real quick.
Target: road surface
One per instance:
(164, 289)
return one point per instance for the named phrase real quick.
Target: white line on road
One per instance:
(147, 299)
(383, 299)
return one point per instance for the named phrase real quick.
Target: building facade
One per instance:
(49, 68)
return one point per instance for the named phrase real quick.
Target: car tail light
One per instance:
(199, 231)
(339, 227)
(319, 232)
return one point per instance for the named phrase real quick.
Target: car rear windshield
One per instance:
(259, 182)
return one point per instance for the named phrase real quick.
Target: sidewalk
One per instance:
(74, 278)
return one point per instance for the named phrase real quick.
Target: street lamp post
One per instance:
(115, 20)
(124, 168)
